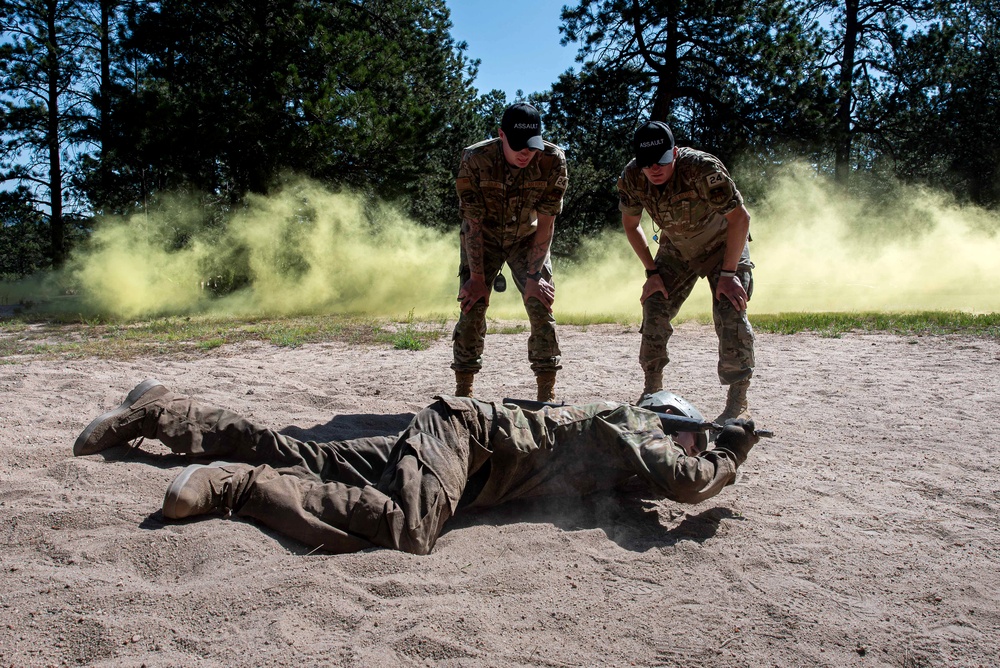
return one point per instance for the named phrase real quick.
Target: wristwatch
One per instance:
(652, 272)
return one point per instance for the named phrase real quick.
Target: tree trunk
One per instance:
(666, 74)
(846, 93)
(52, 67)
(104, 104)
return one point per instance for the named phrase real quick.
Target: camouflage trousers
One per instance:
(736, 339)
(469, 337)
(340, 496)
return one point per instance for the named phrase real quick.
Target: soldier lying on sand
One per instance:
(398, 491)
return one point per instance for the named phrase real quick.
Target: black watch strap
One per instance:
(652, 272)
(535, 276)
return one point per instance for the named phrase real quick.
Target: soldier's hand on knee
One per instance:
(731, 288)
(653, 285)
(738, 437)
(541, 290)
(473, 290)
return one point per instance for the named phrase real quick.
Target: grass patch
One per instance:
(498, 327)
(408, 339)
(50, 339)
(917, 323)
(210, 344)
(68, 339)
(411, 334)
(585, 319)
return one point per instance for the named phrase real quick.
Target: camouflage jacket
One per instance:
(689, 209)
(508, 200)
(572, 451)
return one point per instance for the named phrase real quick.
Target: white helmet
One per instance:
(668, 402)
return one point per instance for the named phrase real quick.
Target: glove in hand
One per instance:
(738, 437)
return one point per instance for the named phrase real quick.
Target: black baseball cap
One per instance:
(522, 125)
(653, 143)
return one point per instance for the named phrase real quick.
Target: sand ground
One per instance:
(866, 533)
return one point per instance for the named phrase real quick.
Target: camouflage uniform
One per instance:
(398, 492)
(690, 211)
(507, 201)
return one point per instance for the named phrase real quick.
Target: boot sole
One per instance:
(174, 490)
(81, 447)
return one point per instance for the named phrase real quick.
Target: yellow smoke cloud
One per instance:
(816, 249)
(127, 272)
(307, 249)
(310, 250)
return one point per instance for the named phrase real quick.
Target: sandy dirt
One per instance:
(866, 533)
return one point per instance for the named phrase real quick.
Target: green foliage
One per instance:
(497, 327)
(940, 115)
(24, 236)
(108, 106)
(724, 75)
(858, 38)
(190, 335)
(234, 96)
(210, 344)
(42, 103)
(407, 339)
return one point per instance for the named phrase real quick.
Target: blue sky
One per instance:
(516, 40)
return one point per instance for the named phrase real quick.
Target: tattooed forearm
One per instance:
(474, 245)
(541, 243)
(536, 257)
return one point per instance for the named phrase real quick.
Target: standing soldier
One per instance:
(510, 191)
(703, 229)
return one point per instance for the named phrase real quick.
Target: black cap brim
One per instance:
(535, 143)
(665, 159)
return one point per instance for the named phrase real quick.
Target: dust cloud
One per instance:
(818, 250)
(311, 250)
(909, 250)
(305, 250)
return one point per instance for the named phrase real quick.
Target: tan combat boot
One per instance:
(546, 385)
(125, 423)
(463, 383)
(201, 489)
(736, 403)
(654, 383)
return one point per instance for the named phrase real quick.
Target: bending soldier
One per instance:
(704, 230)
(398, 491)
(510, 190)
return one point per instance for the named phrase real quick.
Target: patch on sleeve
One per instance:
(562, 182)
(720, 189)
(715, 180)
(720, 196)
